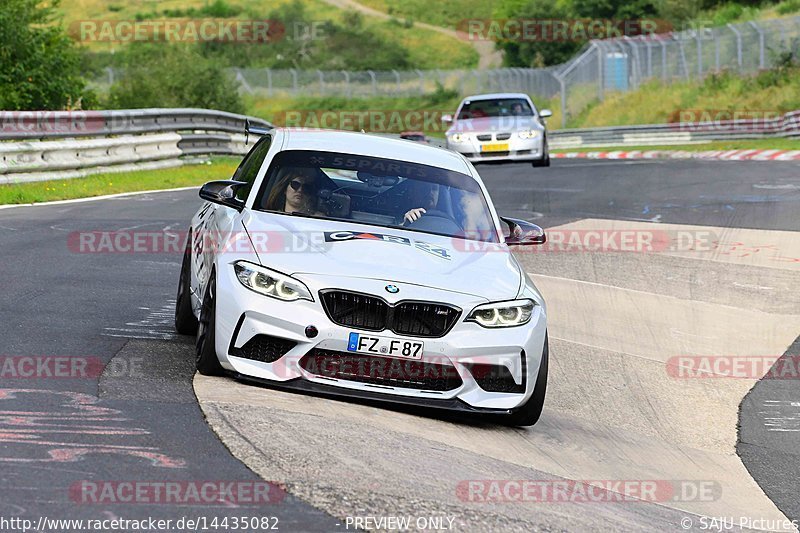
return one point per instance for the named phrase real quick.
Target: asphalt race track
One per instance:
(722, 285)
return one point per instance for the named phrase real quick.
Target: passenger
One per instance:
(295, 192)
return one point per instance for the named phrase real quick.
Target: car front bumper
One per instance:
(243, 314)
(518, 149)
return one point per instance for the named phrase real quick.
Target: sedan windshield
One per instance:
(500, 107)
(377, 192)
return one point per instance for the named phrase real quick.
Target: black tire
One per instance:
(545, 160)
(185, 321)
(206, 359)
(528, 414)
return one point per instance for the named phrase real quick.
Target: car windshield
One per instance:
(378, 192)
(497, 107)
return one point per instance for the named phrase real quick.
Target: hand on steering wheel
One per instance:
(412, 215)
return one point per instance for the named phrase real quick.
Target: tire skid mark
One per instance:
(20, 430)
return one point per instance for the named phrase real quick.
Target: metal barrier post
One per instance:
(761, 52)
(347, 83)
(738, 43)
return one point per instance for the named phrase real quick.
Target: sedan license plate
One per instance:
(495, 147)
(386, 346)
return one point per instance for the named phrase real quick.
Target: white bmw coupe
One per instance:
(355, 265)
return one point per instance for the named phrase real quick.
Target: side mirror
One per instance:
(447, 119)
(223, 193)
(545, 113)
(522, 232)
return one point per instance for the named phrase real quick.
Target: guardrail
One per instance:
(786, 126)
(55, 145)
(64, 144)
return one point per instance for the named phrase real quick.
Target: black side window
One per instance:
(248, 169)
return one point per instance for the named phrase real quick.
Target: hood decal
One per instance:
(341, 236)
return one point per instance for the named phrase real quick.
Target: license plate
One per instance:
(386, 346)
(495, 147)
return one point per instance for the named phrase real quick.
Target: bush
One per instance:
(533, 53)
(162, 75)
(39, 64)
(217, 9)
(788, 7)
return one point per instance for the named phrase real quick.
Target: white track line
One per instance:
(96, 198)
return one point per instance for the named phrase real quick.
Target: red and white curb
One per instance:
(715, 155)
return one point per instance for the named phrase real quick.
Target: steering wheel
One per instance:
(435, 220)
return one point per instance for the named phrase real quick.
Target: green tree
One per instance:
(551, 51)
(39, 64)
(164, 75)
(536, 52)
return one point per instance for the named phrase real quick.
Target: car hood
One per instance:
(297, 246)
(494, 124)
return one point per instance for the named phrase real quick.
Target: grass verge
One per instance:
(753, 144)
(113, 183)
(774, 91)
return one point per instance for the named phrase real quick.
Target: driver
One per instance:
(423, 194)
(516, 109)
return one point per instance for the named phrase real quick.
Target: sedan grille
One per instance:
(356, 310)
(503, 136)
(418, 319)
(423, 319)
(381, 371)
(485, 137)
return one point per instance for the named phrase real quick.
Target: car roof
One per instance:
(495, 96)
(374, 145)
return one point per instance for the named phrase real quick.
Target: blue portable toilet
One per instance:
(616, 71)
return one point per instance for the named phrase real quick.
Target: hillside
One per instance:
(418, 47)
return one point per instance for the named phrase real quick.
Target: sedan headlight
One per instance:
(503, 314)
(528, 134)
(458, 137)
(270, 283)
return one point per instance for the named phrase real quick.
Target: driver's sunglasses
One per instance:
(296, 185)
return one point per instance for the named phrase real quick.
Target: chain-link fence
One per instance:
(601, 67)
(612, 65)
(271, 82)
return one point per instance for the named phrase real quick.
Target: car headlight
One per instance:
(503, 314)
(528, 134)
(270, 283)
(458, 137)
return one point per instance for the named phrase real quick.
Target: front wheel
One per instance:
(185, 321)
(545, 160)
(528, 413)
(206, 360)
